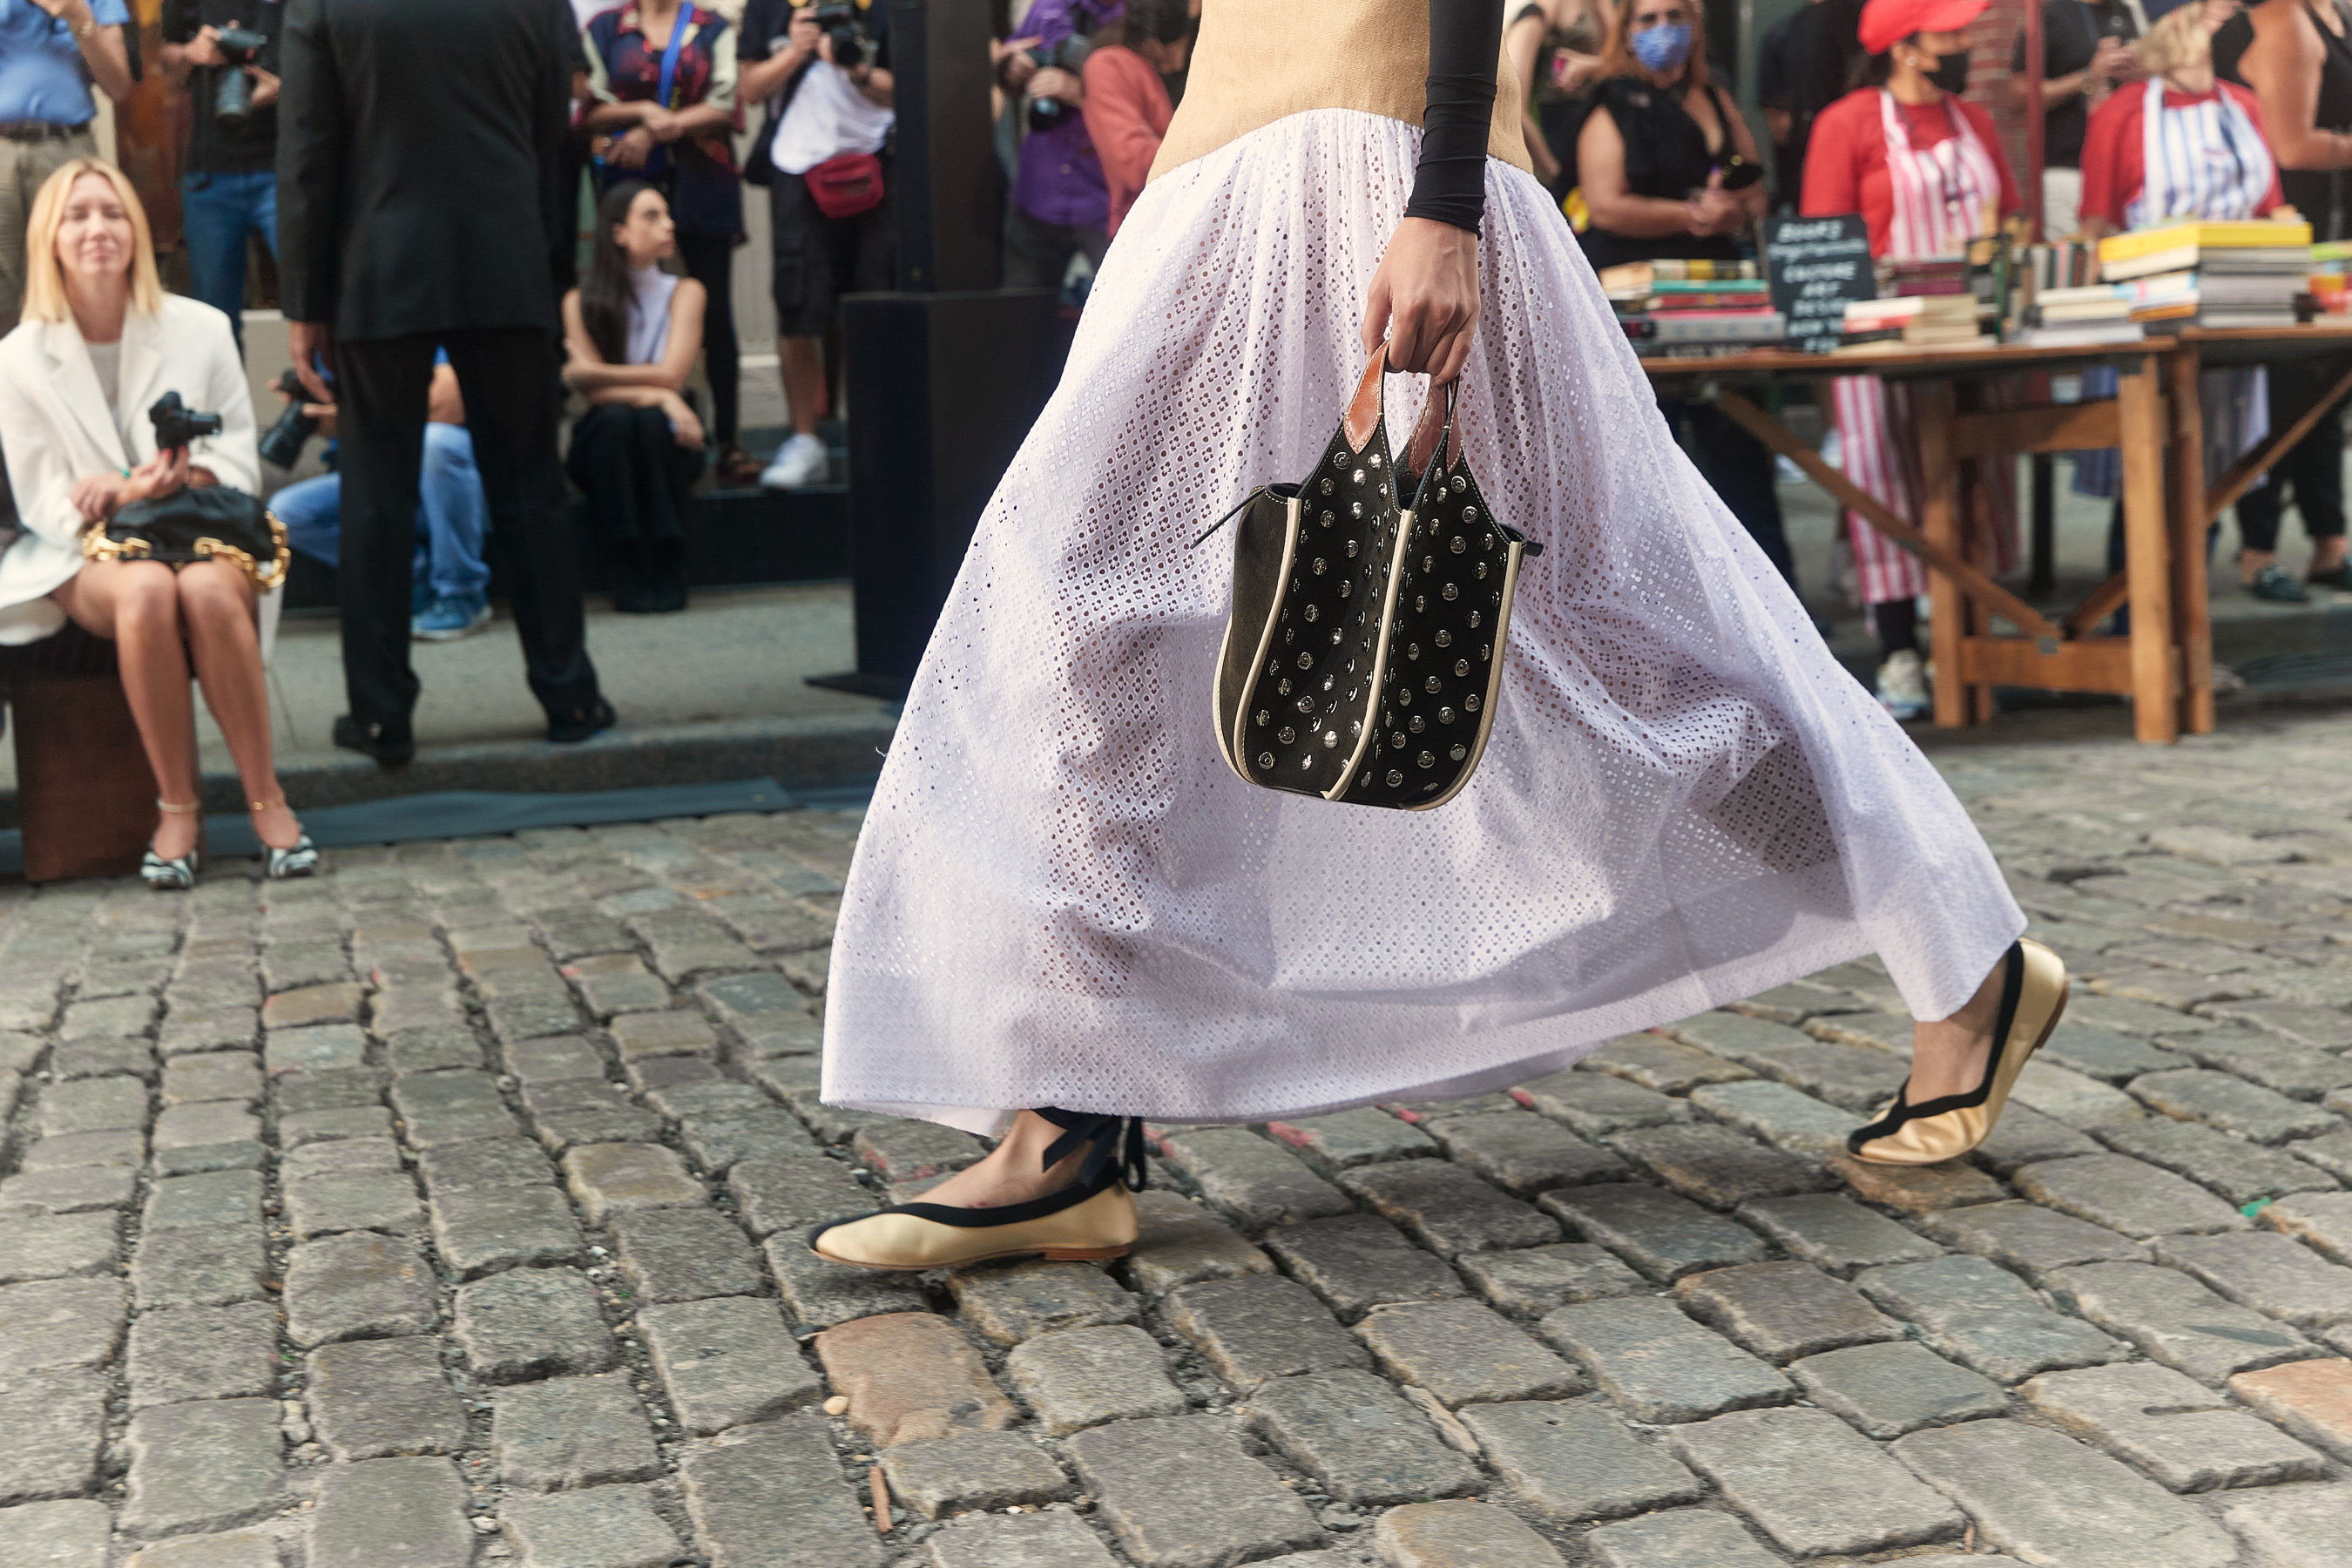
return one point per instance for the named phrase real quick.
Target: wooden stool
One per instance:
(85, 794)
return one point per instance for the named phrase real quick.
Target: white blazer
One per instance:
(56, 429)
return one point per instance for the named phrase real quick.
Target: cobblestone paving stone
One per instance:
(445, 1212)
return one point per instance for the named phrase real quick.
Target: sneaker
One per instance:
(575, 725)
(450, 618)
(799, 463)
(1903, 684)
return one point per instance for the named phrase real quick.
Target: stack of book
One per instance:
(2244, 274)
(1912, 276)
(1912, 321)
(1634, 278)
(1673, 313)
(2069, 318)
(2064, 264)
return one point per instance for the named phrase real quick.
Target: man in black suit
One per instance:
(419, 148)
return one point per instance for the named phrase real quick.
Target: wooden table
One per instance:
(2166, 663)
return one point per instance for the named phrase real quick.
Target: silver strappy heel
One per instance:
(176, 876)
(280, 865)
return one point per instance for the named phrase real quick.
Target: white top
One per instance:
(826, 118)
(107, 360)
(588, 11)
(649, 314)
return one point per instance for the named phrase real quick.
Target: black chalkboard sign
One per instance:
(1815, 266)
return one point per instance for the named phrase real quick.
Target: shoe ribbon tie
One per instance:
(1111, 1143)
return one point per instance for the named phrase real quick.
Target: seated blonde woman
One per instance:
(98, 343)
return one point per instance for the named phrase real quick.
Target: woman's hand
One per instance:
(164, 474)
(661, 124)
(1714, 210)
(1424, 299)
(1062, 86)
(631, 151)
(93, 497)
(683, 425)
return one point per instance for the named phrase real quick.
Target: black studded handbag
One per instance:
(1363, 650)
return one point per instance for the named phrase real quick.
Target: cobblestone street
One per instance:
(446, 1211)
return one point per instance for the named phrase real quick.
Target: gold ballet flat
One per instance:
(2032, 999)
(934, 1235)
(1091, 1219)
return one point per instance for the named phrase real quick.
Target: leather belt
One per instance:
(39, 130)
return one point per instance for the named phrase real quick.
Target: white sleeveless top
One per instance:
(649, 314)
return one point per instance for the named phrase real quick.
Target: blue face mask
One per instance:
(1662, 48)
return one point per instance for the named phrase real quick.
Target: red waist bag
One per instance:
(846, 185)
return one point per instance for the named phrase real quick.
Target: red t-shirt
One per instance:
(1845, 160)
(1127, 117)
(2114, 150)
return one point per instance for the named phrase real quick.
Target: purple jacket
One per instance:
(1051, 21)
(1060, 180)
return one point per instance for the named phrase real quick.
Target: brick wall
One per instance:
(1992, 41)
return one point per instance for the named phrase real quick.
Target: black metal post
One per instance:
(2045, 525)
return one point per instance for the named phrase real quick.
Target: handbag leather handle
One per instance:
(1365, 408)
(1429, 436)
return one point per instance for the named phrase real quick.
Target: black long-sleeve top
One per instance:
(1465, 39)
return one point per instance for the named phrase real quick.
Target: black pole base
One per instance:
(858, 683)
(943, 389)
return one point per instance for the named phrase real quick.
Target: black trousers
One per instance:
(710, 260)
(508, 377)
(2313, 467)
(637, 480)
(1036, 254)
(1740, 469)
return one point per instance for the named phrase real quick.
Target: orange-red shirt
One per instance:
(1127, 117)
(2115, 149)
(1845, 160)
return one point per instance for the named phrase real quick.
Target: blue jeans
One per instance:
(216, 212)
(450, 518)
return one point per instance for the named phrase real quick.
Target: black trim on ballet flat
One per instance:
(983, 1219)
(2012, 986)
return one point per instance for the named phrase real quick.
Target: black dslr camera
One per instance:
(177, 425)
(233, 99)
(852, 47)
(283, 443)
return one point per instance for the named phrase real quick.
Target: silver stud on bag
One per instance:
(1417, 724)
(1266, 759)
(1427, 760)
(1331, 738)
(1374, 459)
(1322, 566)
(1461, 667)
(1469, 514)
(1445, 715)
(1453, 593)
(1459, 544)
(1285, 734)
(1482, 569)
(1344, 585)
(1356, 509)
(1443, 638)
(1312, 611)
(1474, 617)
(1328, 519)
(1434, 685)
(1471, 702)
(1306, 661)
(1352, 547)
(1340, 460)
(1327, 486)
(1395, 778)
(1261, 717)
(1460, 484)
(1412, 650)
(1357, 478)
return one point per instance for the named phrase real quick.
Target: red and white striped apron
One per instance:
(1940, 194)
(2197, 160)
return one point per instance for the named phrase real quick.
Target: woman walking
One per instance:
(1065, 912)
(1924, 168)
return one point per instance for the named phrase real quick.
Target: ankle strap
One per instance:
(190, 809)
(266, 804)
(1102, 1137)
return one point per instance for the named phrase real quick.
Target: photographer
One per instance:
(225, 52)
(51, 51)
(822, 154)
(1061, 206)
(451, 597)
(88, 387)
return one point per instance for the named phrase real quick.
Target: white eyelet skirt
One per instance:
(1063, 897)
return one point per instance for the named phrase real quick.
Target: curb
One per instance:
(794, 752)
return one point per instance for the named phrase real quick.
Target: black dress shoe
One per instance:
(390, 744)
(570, 727)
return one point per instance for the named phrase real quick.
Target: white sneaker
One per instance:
(799, 463)
(1903, 684)
(1834, 449)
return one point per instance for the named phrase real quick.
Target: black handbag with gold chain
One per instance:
(199, 523)
(1363, 651)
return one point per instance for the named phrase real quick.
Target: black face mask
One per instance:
(1951, 73)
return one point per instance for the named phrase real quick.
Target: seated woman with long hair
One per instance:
(98, 343)
(630, 332)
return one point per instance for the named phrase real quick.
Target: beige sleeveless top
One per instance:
(1258, 60)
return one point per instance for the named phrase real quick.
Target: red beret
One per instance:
(1885, 23)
